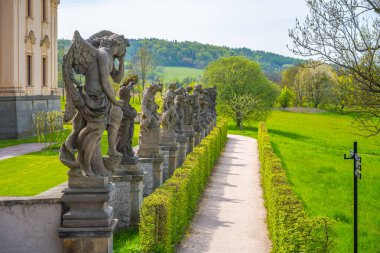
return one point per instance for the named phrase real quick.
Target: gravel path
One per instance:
(231, 216)
(20, 149)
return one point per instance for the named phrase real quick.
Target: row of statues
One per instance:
(93, 107)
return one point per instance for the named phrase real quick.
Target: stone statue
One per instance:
(149, 118)
(189, 106)
(125, 133)
(169, 96)
(179, 102)
(169, 116)
(90, 106)
(196, 107)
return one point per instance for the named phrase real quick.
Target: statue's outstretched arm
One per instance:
(117, 75)
(103, 62)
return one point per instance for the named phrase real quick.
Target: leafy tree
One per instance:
(286, 97)
(318, 81)
(143, 64)
(291, 78)
(345, 33)
(243, 90)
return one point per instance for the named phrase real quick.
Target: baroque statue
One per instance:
(125, 134)
(149, 118)
(169, 116)
(92, 107)
(179, 102)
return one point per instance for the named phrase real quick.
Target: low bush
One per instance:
(291, 229)
(167, 212)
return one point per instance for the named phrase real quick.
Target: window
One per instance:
(29, 70)
(44, 72)
(29, 8)
(44, 17)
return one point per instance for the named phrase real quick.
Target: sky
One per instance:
(255, 24)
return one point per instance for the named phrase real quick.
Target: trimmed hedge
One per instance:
(290, 227)
(167, 212)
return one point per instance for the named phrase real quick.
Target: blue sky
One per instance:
(256, 24)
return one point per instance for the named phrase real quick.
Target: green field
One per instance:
(311, 147)
(179, 73)
(33, 173)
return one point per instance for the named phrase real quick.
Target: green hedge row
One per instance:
(291, 229)
(167, 212)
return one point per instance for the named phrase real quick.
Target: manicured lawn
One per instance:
(12, 142)
(33, 173)
(179, 73)
(311, 147)
(126, 241)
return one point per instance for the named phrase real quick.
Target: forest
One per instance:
(197, 55)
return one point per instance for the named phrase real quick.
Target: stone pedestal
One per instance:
(158, 169)
(120, 201)
(170, 154)
(203, 133)
(146, 167)
(182, 151)
(149, 144)
(88, 225)
(197, 138)
(136, 198)
(190, 134)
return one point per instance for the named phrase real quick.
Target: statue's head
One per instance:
(189, 89)
(125, 93)
(198, 87)
(131, 80)
(180, 91)
(172, 86)
(115, 42)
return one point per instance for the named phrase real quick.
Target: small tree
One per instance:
(243, 90)
(143, 65)
(286, 97)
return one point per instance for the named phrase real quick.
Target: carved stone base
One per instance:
(136, 199)
(158, 168)
(203, 133)
(146, 167)
(94, 240)
(88, 225)
(149, 144)
(120, 201)
(170, 154)
(182, 141)
(197, 138)
(189, 132)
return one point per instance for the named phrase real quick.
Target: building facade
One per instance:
(28, 64)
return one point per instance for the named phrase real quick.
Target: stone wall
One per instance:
(120, 201)
(17, 114)
(30, 224)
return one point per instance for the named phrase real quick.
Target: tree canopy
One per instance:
(244, 92)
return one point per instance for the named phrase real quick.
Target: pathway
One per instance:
(231, 215)
(20, 149)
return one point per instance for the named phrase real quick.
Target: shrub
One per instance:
(167, 212)
(49, 127)
(286, 97)
(290, 227)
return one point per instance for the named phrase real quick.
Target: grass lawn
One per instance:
(311, 147)
(12, 142)
(179, 73)
(33, 173)
(126, 241)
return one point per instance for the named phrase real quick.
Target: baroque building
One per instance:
(28, 64)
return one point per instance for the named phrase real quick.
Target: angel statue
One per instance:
(93, 106)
